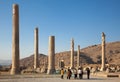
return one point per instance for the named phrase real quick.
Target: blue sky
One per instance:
(83, 20)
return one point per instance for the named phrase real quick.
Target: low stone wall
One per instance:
(104, 74)
(114, 75)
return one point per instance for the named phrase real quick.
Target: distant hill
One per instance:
(28, 61)
(5, 62)
(89, 55)
(112, 52)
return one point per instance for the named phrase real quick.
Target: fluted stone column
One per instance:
(72, 53)
(78, 56)
(51, 55)
(103, 52)
(15, 41)
(36, 48)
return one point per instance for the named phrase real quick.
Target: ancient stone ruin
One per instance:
(15, 40)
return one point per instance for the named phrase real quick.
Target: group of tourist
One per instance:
(78, 73)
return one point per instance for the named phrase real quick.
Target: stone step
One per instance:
(112, 75)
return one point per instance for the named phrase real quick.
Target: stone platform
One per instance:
(53, 78)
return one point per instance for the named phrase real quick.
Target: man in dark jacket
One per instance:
(88, 73)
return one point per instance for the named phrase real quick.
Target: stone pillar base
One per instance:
(102, 69)
(51, 71)
(14, 71)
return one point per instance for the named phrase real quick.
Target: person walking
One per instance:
(62, 73)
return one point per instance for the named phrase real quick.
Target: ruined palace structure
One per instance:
(103, 52)
(72, 54)
(78, 56)
(15, 69)
(36, 48)
(51, 55)
(15, 40)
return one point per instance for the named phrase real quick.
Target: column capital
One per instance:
(15, 9)
(103, 34)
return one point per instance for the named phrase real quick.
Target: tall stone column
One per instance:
(72, 53)
(36, 48)
(78, 56)
(15, 41)
(51, 55)
(103, 52)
